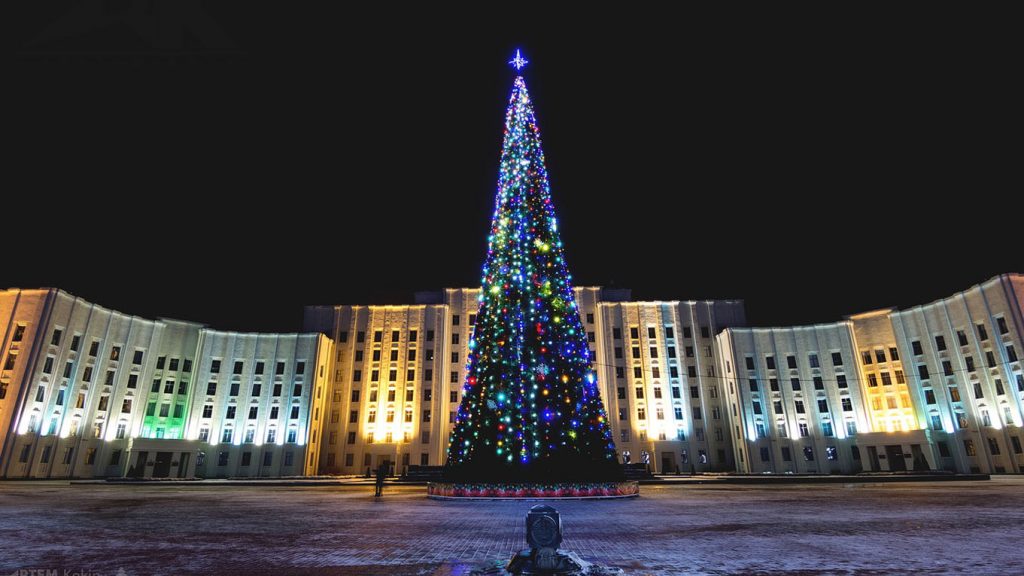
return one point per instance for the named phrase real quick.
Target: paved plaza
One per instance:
(931, 528)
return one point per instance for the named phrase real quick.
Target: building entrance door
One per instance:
(183, 465)
(894, 454)
(668, 463)
(873, 459)
(162, 465)
(386, 461)
(139, 469)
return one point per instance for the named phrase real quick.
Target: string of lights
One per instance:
(530, 394)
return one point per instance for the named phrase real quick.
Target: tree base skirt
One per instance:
(524, 490)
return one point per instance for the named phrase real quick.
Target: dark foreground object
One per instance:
(544, 535)
(490, 490)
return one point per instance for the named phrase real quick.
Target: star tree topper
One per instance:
(518, 62)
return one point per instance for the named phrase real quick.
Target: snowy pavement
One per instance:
(863, 529)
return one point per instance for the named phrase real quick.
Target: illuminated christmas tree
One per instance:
(530, 407)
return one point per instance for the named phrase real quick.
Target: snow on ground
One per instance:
(856, 529)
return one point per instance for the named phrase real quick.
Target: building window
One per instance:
(831, 453)
(954, 394)
(982, 332)
(795, 383)
(993, 446)
(922, 371)
(940, 343)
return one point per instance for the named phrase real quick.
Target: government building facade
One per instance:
(90, 392)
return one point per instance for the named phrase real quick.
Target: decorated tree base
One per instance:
(522, 490)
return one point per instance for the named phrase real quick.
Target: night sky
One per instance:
(334, 158)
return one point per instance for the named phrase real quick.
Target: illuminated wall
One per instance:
(658, 369)
(258, 402)
(888, 398)
(83, 389)
(963, 362)
(794, 396)
(85, 380)
(399, 370)
(938, 386)
(79, 381)
(20, 314)
(389, 390)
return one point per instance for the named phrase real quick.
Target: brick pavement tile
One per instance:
(866, 529)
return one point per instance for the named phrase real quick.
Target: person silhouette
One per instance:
(382, 471)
